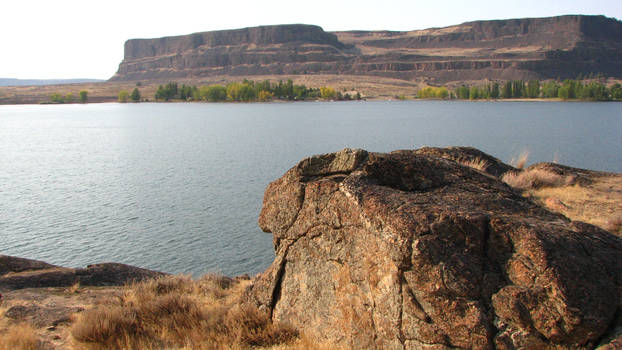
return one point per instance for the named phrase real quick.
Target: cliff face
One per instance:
(505, 49)
(283, 49)
(412, 250)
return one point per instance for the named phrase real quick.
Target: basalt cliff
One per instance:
(530, 48)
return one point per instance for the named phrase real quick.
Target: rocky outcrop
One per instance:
(19, 273)
(412, 250)
(15, 264)
(526, 48)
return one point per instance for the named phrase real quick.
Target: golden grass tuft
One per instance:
(19, 337)
(520, 161)
(476, 163)
(535, 178)
(179, 312)
(304, 343)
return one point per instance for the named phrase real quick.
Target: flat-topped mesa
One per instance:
(247, 51)
(264, 35)
(414, 250)
(527, 48)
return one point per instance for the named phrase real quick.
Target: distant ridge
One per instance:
(528, 48)
(25, 82)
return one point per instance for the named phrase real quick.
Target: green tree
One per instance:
(563, 92)
(494, 91)
(84, 96)
(463, 92)
(616, 92)
(247, 92)
(506, 92)
(474, 93)
(57, 98)
(69, 97)
(167, 92)
(533, 89)
(233, 91)
(550, 89)
(569, 89)
(135, 96)
(518, 89)
(328, 93)
(123, 96)
(216, 93)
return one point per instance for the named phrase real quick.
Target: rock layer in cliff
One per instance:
(412, 250)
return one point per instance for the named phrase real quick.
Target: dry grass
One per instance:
(599, 203)
(535, 178)
(19, 337)
(178, 312)
(520, 161)
(75, 288)
(476, 163)
(304, 343)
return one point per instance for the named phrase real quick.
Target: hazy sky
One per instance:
(84, 39)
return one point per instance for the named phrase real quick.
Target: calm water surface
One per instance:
(178, 187)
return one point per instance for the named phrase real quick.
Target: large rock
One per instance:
(411, 250)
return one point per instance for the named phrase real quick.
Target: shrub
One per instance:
(84, 96)
(123, 96)
(535, 178)
(69, 97)
(57, 98)
(264, 95)
(328, 93)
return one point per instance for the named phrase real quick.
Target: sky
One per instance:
(66, 39)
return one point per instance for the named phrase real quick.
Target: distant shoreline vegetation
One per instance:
(533, 89)
(250, 91)
(57, 98)
(593, 89)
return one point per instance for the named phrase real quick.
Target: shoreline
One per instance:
(370, 88)
(366, 99)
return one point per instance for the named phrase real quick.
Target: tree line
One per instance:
(69, 97)
(249, 91)
(566, 90)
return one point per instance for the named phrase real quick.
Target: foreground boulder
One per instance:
(20, 273)
(412, 250)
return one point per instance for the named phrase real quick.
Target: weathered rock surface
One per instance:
(411, 250)
(19, 273)
(504, 49)
(15, 264)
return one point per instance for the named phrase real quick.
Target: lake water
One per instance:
(178, 187)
